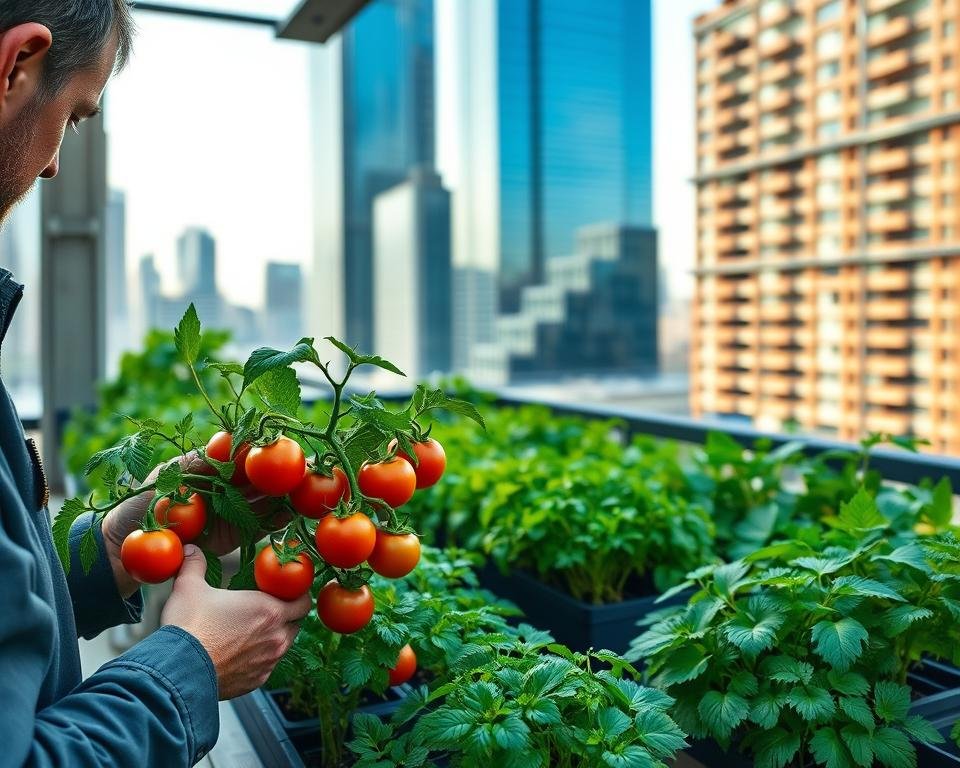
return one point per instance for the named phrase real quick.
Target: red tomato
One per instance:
(431, 461)
(186, 520)
(344, 610)
(219, 449)
(394, 554)
(288, 580)
(318, 494)
(393, 481)
(151, 556)
(278, 468)
(345, 542)
(405, 667)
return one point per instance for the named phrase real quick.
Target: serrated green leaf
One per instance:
(630, 756)
(266, 359)
(860, 514)
(187, 335)
(721, 713)
(169, 479)
(214, 573)
(279, 388)
(829, 750)
(132, 452)
(920, 729)
(613, 722)
(62, 523)
(785, 669)
(445, 726)
(811, 702)
(686, 663)
(839, 643)
(357, 359)
(776, 748)
(860, 743)
(89, 550)
(900, 618)
(940, 510)
(849, 683)
(357, 670)
(908, 554)
(728, 578)
(230, 504)
(745, 683)
(765, 710)
(755, 629)
(893, 749)
(658, 733)
(243, 578)
(858, 710)
(858, 585)
(891, 701)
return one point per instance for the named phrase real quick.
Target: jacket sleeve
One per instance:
(97, 604)
(154, 706)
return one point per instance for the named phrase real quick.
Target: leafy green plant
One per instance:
(438, 609)
(799, 653)
(524, 702)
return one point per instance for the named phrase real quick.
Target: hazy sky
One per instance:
(210, 126)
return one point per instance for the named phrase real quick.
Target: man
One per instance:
(155, 705)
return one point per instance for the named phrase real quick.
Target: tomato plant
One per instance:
(276, 468)
(152, 557)
(394, 555)
(252, 474)
(344, 610)
(319, 494)
(186, 519)
(405, 667)
(392, 481)
(345, 542)
(430, 463)
(287, 579)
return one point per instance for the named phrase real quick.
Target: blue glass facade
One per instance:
(388, 128)
(574, 90)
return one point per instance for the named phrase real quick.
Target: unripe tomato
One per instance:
(344, 610)
(219, 448)
(186, 520)
(345, 542)
(278, 468)
(392, 481)
(431, 461)
(405, 667)
(286, 581)
(318, 494)
(394, 554)
(151, 557)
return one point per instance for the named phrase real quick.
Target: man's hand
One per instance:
(221, 538)
(245, 632)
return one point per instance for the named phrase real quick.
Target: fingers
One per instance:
(297, 609)
(194, 564)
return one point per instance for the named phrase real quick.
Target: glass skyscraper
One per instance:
(573, 92)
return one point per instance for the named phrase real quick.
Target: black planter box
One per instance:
(573, 622)
(284, 743)
(937, 689)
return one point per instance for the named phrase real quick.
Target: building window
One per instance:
(829, 129)
(948, 28)
(828, 12)
(828, 70)
(828, 43)
(828, 101)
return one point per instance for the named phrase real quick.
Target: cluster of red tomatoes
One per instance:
(280, 469)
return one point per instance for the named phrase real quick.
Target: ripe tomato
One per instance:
(276, 469)
(405, 667)
(318, 494)
(151, 556)
(219, 448)
(345, 542)
(186, 520)
(288, 580)
(431, 461)
(393, 481)
(394, 554)
(344, 610)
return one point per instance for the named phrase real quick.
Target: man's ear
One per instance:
(23, 52)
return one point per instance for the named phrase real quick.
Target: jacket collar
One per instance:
(10, 294)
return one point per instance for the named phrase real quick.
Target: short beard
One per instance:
(14, 143)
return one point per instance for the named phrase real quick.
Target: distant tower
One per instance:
(412, 287)
(197, 270)
(117, 308)
(283, 307)
(150, 298)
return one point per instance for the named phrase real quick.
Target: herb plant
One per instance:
(798, 654)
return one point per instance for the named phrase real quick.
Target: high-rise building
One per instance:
(283, 304)
(197, 274)
(117, 318)
(148, 283)
(544, 127)
(595, 314)
(412, 283)
(827, 193)
(373, 117)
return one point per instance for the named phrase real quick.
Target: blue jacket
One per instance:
(156, 705)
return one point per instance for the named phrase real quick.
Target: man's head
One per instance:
(55, 59)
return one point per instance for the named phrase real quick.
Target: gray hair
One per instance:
(80, 30)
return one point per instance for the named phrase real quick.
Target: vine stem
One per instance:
(213, 408)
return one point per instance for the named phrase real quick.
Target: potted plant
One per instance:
(522, 701)
(800, 653)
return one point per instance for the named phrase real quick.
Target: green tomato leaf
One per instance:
(357, 359)
(187, 335)
(811, 702)
(893, 749)
(891, 701)
(62, 523)
(858, 585)
(858, 710)
(266, 359)
(214, 574)
(829, 750)
(721, 713)
(839, 643)
(776, 748)
(89, 550)
(279, 389)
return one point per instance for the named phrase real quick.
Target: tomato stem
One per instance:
(213, 408)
